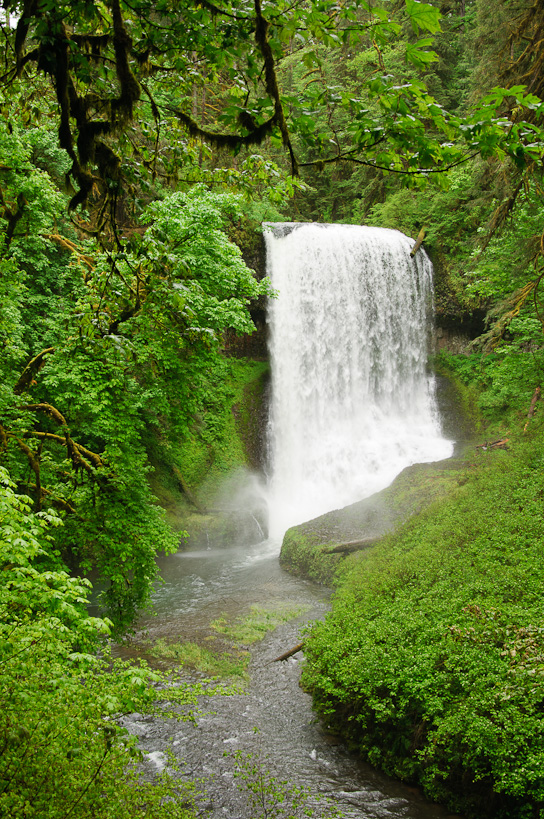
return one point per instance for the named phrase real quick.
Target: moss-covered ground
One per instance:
(222, 648)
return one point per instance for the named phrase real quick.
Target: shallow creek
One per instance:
(273, 719)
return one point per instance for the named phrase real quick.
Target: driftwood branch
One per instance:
(500, 444)
(532, 408)
(419, 242)
(287, 654)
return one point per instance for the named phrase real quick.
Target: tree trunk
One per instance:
(419, 242)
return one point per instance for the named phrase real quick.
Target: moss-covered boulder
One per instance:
(317, 548)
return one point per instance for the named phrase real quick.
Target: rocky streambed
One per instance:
(270, 723)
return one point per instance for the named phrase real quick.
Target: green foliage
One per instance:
(504, 381)
(142, 330)
(113, 324)
(212, 84)
(33, 586)
(117, 79)
(187, 239)
(430, 662)
(62, 750)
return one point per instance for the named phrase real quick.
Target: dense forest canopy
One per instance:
(137, 140)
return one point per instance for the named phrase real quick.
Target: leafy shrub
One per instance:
(62, 752)
(501, 383)
(431, 662)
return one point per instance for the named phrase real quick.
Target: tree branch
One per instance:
(75, 451)
(31, 369)
(73, 248)
(261, 38)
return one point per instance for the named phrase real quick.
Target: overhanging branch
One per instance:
(261, 37)
(76, 452)
(33, 367)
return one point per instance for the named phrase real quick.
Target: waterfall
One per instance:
(352, 402)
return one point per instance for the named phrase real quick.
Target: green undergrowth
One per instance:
(214, 664)
(431, 662)
(497, 387)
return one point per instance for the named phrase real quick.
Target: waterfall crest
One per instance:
(352, 402)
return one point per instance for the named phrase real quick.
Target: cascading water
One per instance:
(352, 402)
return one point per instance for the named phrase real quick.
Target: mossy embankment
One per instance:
(318, 548)
(431, 661)
(214, 458)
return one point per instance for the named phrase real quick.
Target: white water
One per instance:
(352, 402)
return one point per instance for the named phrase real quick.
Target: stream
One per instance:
(352, 405)
(273, 719)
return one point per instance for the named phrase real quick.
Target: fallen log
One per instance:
(351, 546)
(287, 654)
(419, 242)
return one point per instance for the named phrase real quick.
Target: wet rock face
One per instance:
(252, 422)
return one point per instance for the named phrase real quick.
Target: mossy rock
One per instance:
(316, 549)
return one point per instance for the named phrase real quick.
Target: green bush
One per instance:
(501, 383)
(62, 751)
(432, 660)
